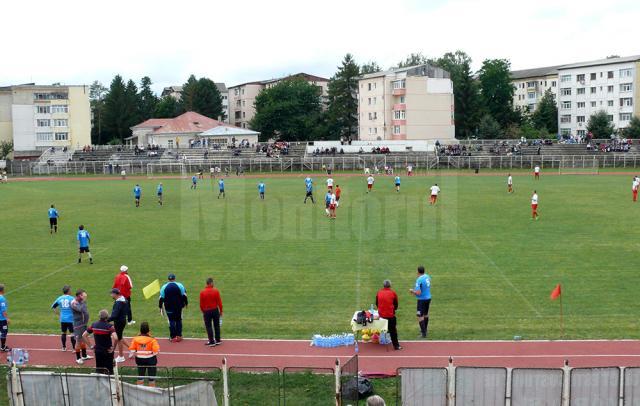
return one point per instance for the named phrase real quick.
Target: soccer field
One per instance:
(286, 271)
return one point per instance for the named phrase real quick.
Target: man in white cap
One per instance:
(123, 283)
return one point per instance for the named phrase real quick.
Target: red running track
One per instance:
(373, 358)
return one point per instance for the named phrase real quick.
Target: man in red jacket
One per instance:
(211, 307)
(123, 283)
(387, 303)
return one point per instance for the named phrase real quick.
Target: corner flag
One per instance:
(556, 292)
(151, 289)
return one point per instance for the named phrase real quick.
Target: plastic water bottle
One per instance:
(357, 350)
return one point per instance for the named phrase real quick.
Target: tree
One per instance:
(545, 117)
(290, 110)
(497, 91)
(466, 93)
(203, 97)
(188, 94)
(147, 99)
(412, 60)
(115, 111)
(167, 107)
(132, 100)
(369, 67)
(489, 128)
(342, 111)
(96, 100)
(633, 128)
(600, 125)
(6, 147)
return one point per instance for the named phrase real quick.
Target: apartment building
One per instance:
(531, 84)
(412, 103)
(243, 96)
(38, 117)
(176, 93)
(588, 87)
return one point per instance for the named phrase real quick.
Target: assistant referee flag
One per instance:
(556, 292)
(151, 289)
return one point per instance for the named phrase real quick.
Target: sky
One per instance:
(77, 42)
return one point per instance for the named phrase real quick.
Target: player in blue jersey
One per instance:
(221, 188)
(4, 321)
(83, 244)
(422, 292)
(261, 188)
(327, 201)
(53, 219)
(137, 194)
(63, 305)
(397, 182)
(309, 187)
(194, 182)
(159, 191)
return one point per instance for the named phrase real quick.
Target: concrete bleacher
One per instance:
(104, 155)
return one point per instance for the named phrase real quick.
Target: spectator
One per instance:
(104, 337)
(146, 349)
(387, 303)
(119, 319)
(123, 282)
(211, 307)
(80, 321)
(375, 400)
(173, 298)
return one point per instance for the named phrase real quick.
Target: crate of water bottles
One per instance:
(335, 340)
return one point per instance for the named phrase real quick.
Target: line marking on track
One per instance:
(500, 271)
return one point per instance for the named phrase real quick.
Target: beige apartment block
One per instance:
(412, 103)
(531, 84)
(38, 117)
(242, 97)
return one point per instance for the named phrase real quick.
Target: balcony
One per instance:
(400, 106)
(399, 91)
(396, 137)
(399, 122)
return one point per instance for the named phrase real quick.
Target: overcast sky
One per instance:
(76, 42)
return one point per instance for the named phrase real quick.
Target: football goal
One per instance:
(579, 165)
(167, 169)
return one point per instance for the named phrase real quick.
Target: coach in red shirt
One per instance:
(211, 307)
(387, 303)
(123, 283)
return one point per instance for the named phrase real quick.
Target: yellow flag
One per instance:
(151, 289)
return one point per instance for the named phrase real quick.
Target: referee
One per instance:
(422, 292)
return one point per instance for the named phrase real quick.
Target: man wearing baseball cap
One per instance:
(123, 283)
(119, 319)
(173, 298)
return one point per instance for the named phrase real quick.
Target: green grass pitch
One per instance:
(286, 271)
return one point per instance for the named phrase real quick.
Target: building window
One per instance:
(553, 83)
(565, 78)
(244, 114)
(610, 74)
(59, 108)
(531, 84)
(593, 104)
(44, 123)
(238, 115)
(402, 99)
(369, 86)
(610, 89)
(242, 91)
(565, 91)
(582, 132)
(625, 73)
(399, 115)
(238, 103)
(565, 131)
(593, 76)
(610, 103)
(62, 136)
(580, 78)
(580, 90)
(224, 97)
(580, 119)
(60, 123)
(592, 90)
(610, 117)
(51, 96)
(626, 87)
(580, 105)
(43, 109)
(625, 116)
(531, 95)
(399, 84)
(396, 129)
(243, 103)
(626, 102)
(565, 118)
(369, 101)
(565, 105)
(44, 136)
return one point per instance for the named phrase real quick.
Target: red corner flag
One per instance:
(556, 292)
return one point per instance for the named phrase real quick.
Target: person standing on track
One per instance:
(387, 303)
(63, 303)
(422, 292)
(105, 339)
(173, 299)
(119, 319)
(308, 182)
(4, 321)
(509, 184)
(221, 188)
(53, 219)
(137, 194)
(123, 282)
(146, 349)
(84, 238)
(80, 322)
(435, 191)
(159, 192)
(534, 206)
(211, 307)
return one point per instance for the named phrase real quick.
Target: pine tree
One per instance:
(132, 99)
(167, 107)
(147, 99)
(207, 99)
(115, 117)
(370, 67)
(342, 111)
(187, 98)
(545, 116)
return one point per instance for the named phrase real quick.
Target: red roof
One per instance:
(189, 122)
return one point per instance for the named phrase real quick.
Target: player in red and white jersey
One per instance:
(333, 203)
(536, 172)
(435, 190)
(534, 206)
(370, 181)
(634, 188)
(409, 170)
(510, 183)
(330, 183)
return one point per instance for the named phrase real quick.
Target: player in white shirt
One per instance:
(534, 206)
(536, 172)
(330, 183)
(634, 188)
(333, 203)
(409, 170)
(510, 184)
(370, 181)
(435, 190)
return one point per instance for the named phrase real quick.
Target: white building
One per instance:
(588, 87)
(531, 84)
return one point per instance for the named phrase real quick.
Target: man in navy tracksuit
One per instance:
(173, 298)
